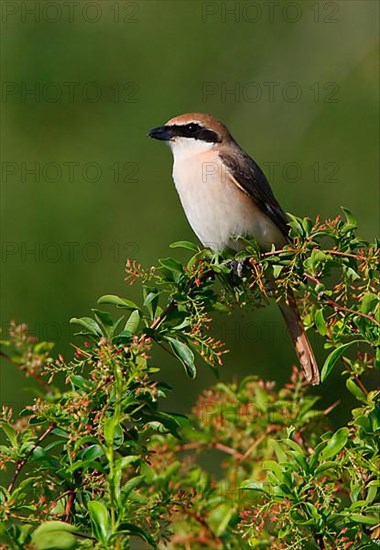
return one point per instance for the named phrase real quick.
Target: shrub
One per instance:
(95, 460)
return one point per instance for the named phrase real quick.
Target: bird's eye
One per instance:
(192, 127)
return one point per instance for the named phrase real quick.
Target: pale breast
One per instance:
(218, 211)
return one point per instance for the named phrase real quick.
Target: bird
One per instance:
(227, 198)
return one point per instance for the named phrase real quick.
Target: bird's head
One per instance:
(192, 133)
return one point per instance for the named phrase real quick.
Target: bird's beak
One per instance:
(163, 133)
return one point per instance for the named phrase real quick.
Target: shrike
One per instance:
(226, 196)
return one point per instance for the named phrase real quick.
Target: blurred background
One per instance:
(83, 187)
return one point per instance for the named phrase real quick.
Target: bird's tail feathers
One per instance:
(300, 340)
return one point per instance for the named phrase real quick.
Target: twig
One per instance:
(169, 308)
(347, 254)
(34, 375)
(253, 446)
(356, 377)
(69, 503)
(338, 307)
(273, 253)
(332, 252)
(360, 384)
(22, 462)
(227, 450)
(158, 320)
(269, 430)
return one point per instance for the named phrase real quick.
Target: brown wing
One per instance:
(251, 179)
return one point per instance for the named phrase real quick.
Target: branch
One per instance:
(158, 320)
(34, 375)
(69, 503)
(332, 252)
(21, 463)
(338, 307)
(169, 308)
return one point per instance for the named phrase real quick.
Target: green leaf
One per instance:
(184, 354)
(55, 535)
(9, 432)
(123, 336)
(355, 390)
(131, 485)
(307, 224)
(281, 456)
(250, 485)
(274, 467)
(89, 324)
(351, 274)
(333, 357)
(85, 465)
(295, 224)
(277, 270)
(184, 244)
(171, 265)
(135, 530)
(109, 428)
(113, 300)
(316, 261)
(100, 520)
(133, 321)
(336, 443)
(151, 301)
(366, 520)
(351, 222)
(79, 382)
(369, 303)
(328, 465)
(125, 461)
(103, 317)
(320, 322)
(219, 518)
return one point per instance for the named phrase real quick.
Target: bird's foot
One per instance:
(237, 267)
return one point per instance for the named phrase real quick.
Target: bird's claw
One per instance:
(237, 267)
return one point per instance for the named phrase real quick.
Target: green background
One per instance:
(320, 61)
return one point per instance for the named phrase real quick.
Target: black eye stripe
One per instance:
(195, 131)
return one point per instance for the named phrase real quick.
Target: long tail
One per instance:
(300, 340)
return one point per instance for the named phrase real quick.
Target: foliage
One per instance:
(96, 460)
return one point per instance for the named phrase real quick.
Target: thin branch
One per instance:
(158, 320)
(273, 253)
(169, 308)
(227, 450)
(34, 375)
(338, 307)
(69, 503)
(356, 377)
(360, 384)
(253, 446)
(332, 252)
(346, 254)
(21, 463)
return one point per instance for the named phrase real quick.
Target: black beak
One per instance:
(163, 133)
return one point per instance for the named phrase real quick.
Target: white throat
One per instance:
(186, 147)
